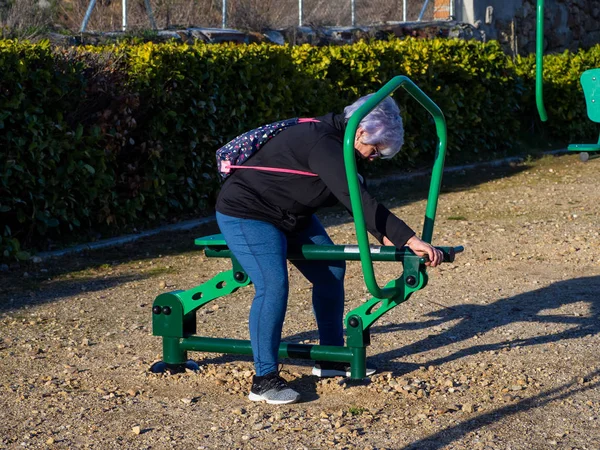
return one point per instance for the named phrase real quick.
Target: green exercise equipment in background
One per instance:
(590, 83)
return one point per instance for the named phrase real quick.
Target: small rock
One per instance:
(50, 441)
(162, 284)
(467, 407)
(187, 401)
(238, 411)
(136, 429)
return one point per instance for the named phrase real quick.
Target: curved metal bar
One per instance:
(539, 62)
(353, 183)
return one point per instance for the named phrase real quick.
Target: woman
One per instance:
(261, 213)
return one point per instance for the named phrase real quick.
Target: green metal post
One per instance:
(353, 183)
(357, 338)
(358, 366)
(173, 353)
(539, 62)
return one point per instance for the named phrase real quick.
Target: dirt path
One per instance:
(499, 351)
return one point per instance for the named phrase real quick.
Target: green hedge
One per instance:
(97, 141)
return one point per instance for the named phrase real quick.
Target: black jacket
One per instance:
(288, 200)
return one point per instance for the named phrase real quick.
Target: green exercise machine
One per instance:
(590, 83)
(174, 313)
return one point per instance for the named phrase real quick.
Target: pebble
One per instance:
(467, 407)
(136, 429)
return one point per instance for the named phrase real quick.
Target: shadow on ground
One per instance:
(448, 435)
(474, 320)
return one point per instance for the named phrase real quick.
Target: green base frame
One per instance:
(174, 313)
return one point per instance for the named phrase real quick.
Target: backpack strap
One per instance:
(226, 167)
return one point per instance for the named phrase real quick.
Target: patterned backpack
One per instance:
(236, 152)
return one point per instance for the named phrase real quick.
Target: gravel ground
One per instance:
(499, 351)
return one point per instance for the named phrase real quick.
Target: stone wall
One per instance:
(568, 24)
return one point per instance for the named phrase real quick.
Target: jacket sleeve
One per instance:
(326, 159)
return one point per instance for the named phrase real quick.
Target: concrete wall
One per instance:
(569, 24)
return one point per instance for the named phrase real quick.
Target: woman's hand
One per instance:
(422, 248)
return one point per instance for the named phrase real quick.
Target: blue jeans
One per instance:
(261, 249)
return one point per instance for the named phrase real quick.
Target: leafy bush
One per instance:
(53, 169)
(99, 140)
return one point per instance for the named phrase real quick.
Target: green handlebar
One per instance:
(539, 62)
(353, 182)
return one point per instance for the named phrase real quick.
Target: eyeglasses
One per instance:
(376, 153)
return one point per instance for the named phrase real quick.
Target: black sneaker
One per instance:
(273, 389)
(325, 369)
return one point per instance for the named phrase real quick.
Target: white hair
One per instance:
(383, 125)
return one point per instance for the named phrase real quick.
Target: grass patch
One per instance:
(356, 410)
(155, 271)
